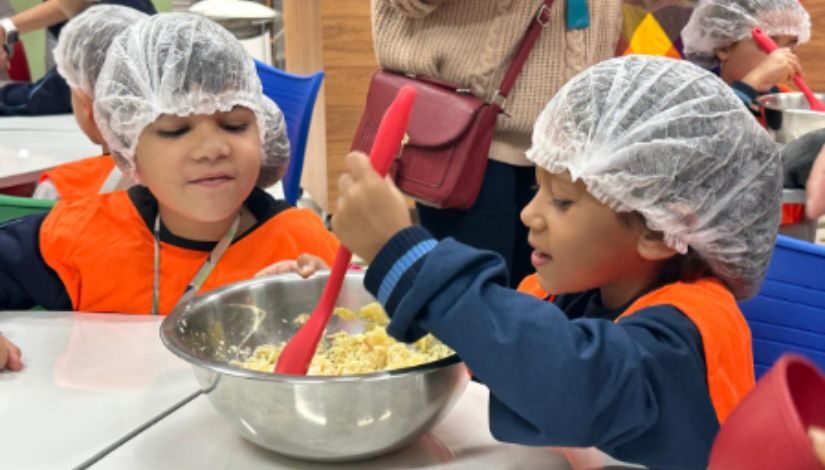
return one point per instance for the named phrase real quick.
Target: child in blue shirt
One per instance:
(718, 35)
(657, 209)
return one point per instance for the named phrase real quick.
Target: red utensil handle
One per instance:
(763, 40)
(298, 353)
(768, 46)
(802, 85)
(391, 131)
(384, 149)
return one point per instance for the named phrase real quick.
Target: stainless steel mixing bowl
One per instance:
(315, 418)
(789, 115)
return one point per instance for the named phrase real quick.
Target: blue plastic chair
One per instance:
(788, 314)
(295, 95)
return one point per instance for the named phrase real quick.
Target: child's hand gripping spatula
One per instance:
(767, 45)
(297, 355)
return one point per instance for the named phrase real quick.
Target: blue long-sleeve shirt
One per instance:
(562, 373)
(25, 278)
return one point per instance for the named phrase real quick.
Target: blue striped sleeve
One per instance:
(745, 92)
(393, 270)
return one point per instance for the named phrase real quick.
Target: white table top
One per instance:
(87, 380)
(32, 145)
(91, 379)
(197, 437)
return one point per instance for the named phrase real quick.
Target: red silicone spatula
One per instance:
(297, 355)
(767, 45)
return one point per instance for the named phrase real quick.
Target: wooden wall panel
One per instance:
(350, 62)
(812, 54)
(333, 35)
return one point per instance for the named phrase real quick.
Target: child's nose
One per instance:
(211, 147)
(529, 217)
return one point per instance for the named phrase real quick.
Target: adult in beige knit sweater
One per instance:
(471, 42)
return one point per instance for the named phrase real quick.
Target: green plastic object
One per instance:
(13, 207)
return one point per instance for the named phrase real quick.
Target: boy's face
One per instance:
(738, 59)
(200, 167)
(580, 244)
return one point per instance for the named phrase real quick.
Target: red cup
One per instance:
(769, 428)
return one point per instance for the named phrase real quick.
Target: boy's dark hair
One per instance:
(685, 268)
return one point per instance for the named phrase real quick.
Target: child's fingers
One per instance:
(309, 264)
(278, 268)
(795, 64)
(815, 187)
(10, 356)
(817, 436)
(317, 262)
(15, 361)
(344, 183)
(358, 166)
(287, 267)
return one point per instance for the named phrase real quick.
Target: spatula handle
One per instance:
(298, 353)
(768, 46)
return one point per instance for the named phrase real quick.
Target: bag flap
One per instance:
(439, 114)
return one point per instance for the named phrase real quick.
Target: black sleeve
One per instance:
(26, 280)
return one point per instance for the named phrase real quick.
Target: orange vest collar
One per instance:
(726, 337)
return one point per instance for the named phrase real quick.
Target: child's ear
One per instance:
(722, 53)
(651, 246)
(83, 106)
(126, 168)
(82, 101)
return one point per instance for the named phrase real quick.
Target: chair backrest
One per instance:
(18, 65)
(788, 314)
(13, 207)
(295, 95)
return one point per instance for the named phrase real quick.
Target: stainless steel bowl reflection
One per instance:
(789, 115)
(315, 418)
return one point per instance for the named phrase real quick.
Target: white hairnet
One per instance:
(672, 142)
(719, 23)
(183, 64)
(83, 42)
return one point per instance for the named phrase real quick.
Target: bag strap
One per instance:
(542, 19)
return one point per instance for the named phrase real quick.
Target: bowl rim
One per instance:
(763, 101)
(174, 343)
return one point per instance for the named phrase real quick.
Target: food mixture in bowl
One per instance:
(343, 353)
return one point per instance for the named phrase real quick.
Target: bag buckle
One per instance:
(543, 15)
(498, 99)
(405, 139)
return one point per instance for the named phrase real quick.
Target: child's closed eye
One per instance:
(561, 204)
(174, 132)
(238, 127)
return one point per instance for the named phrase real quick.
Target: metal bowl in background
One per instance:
(315, 418)
(789, 115)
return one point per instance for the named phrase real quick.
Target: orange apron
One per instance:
(102, 251)
(82, 178)
(726, 338)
